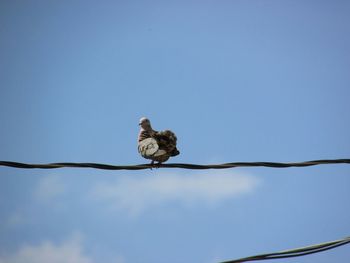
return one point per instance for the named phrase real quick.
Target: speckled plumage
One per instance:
(160, 147)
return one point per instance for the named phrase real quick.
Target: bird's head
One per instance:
(145, 123)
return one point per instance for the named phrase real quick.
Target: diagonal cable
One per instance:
(295, 252)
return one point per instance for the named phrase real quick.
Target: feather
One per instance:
(148, 147)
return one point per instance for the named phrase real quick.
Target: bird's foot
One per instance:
(155, 165)
(151, 164)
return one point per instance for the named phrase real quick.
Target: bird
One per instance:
(157, 146)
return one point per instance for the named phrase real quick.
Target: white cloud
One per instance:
(138, 193)
(69, 251)
(49, 187)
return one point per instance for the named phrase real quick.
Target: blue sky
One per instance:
(252, 80)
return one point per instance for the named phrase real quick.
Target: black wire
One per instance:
(171, 165)
(295, 252)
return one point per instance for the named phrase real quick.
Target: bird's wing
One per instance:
(166, 140)
(148, 147)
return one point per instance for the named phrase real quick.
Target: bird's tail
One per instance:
(175, 152)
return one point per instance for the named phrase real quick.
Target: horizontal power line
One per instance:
(297, 252)
(171, 165)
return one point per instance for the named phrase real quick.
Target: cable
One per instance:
(171, 165)
(295, 252)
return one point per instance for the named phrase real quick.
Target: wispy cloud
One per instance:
(136, 194)
(69, 251)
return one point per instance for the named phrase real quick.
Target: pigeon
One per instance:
(157, 146)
